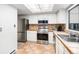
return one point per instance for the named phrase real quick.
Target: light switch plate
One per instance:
(0, 29)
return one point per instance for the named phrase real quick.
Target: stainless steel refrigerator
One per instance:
(23, 26)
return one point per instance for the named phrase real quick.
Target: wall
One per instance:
(8, 36)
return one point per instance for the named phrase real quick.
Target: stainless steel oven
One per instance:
(42, 33)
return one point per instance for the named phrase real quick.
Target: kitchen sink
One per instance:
(68, 38)
(72, 39)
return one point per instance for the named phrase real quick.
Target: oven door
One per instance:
(42, 36)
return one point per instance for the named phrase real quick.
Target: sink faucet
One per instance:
(72, 34)
(77, 37)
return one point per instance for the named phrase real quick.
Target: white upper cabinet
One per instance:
(52, 19)
(33, 19)
(61, 16)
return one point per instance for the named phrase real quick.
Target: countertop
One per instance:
(72, 46)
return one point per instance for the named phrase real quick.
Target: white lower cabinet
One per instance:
(66, 51)
(50, 37)
(60, 48)
(31, 35)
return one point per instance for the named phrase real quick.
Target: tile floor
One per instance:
(35, 48)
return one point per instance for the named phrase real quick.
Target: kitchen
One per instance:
(43, 29)
(47, 29)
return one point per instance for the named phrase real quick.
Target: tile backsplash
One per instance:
(33, 27)
(51, 27)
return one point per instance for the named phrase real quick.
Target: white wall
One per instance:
(33, 19)
(8, 36)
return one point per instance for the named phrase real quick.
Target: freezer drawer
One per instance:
(21, 37)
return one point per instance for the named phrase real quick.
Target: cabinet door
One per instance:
(31, 36)
(61, 16)
(50, 37)
(66, 51)
(59, 47)
(33, 21)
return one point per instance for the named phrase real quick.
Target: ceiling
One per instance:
(39, 8)
(24, 9)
